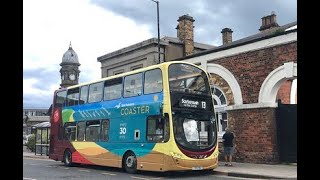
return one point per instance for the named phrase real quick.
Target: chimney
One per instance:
(269, 22)
(185, 33)
(226, 35)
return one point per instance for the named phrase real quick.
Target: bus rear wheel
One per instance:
(130, 162)
(67, 158)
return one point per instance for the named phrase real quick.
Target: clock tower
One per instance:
(69, 71)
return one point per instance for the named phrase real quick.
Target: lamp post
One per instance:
(158, 30)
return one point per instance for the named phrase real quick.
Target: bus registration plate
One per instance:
(197, 168)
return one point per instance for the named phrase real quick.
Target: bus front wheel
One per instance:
(67, 158)
(130, 162)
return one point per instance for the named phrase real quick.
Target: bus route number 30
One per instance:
(123, 130)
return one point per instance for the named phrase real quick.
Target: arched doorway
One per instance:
(280, 86)
(220, 102)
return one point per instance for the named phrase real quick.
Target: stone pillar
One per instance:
(185, 33)
(269, 22)
(226, 35)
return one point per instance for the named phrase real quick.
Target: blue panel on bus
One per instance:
(128, 121)
(122, 108)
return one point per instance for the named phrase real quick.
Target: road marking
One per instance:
(231, 177)
(109, 174)
(84, 170)
(65, 168)
(33, 164)
(38, 159)
(134, 177)
(29, 178)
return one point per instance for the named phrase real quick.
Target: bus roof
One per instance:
(165, 64)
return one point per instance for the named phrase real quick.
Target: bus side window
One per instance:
(81, 131)
(93, 130)
(155, 129)
(133, 85)
(69, 131)
(60, 99)
(95, 92)
(113, 89)
(105, 130)
(72, 97)
(83, 95)
(152, 81)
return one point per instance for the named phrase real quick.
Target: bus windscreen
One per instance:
(188, 78)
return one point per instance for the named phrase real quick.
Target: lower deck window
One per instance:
(155, 129)
(93, 131)
(70, 131)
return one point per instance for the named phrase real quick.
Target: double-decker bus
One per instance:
(158, 118)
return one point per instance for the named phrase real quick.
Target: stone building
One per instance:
(145, 53)
(249, 77)
(33, 116)
(69, 76)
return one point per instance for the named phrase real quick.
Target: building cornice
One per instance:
(251, 106)
(132, 48)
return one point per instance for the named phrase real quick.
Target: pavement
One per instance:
(244, 170)
(261, 171)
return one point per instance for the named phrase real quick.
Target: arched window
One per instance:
(220, 102)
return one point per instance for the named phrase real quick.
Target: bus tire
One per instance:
(67, 158)
(130, 162)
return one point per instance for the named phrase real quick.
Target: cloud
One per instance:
(98, 27)
(211, 16)
(48, 28)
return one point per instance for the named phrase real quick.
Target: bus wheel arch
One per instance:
(129, 162)
(67, 157)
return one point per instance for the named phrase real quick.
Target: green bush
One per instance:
(31, 143)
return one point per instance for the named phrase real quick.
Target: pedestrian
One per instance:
(159, 131)
(228, 146)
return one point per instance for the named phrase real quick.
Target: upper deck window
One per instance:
(95, 92)
(153, 81)
(83, 95)
(60, 99)
(188, 78)
(133, 85)
(72, 97)
(113, 89)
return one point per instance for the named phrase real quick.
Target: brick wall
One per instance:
(284, 92)
(251, 68)
(255, 131)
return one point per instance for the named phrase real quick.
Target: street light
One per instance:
(158, 30)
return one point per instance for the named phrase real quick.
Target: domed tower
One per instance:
(69, 68)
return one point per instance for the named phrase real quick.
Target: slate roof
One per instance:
(285, 29)
(42, 125)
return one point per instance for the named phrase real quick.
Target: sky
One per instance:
(99, 27)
